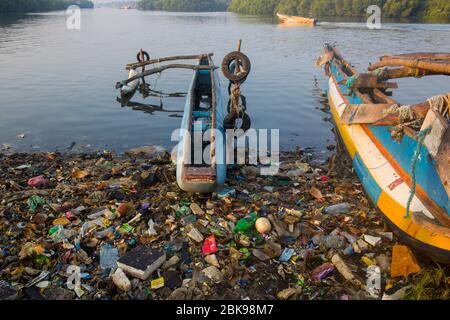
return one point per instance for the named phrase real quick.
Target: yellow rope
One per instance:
(404, 112)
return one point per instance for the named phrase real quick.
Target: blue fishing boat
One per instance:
(401, 153)
(204, 169)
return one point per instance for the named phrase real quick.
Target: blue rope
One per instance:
(420, 138)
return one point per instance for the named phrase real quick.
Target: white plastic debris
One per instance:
(121, 280)
(373, 241)
(373, 285)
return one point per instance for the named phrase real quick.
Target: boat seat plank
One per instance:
(199, 173)
(369, 81)
(363, 113)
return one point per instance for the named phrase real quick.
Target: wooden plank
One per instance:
(199, 174)
(369, 81)
(363, 113)
(420, 111)
(380, 97)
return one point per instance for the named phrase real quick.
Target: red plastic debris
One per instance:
(209, 245)
(37, 181)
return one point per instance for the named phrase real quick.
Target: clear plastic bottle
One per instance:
(340, 208)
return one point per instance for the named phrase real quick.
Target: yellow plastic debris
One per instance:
(62, 221)
(403, 262)
(367, 261)
(157, 283)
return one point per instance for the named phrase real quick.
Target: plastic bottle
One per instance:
(246, 223)
(340, 208)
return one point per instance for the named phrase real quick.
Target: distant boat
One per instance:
(298, 20)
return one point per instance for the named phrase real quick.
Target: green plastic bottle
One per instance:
(246, 223)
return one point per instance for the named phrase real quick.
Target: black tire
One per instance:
(228, 69)
(230, 121)
(146, 56)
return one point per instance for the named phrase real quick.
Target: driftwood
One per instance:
(434, 65)
(165, 59)
(160, 69)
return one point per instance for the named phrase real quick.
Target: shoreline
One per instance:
(292, 261)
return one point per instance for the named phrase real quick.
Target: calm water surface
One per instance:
(57, 85)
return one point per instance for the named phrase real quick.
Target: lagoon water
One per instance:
(57, 85)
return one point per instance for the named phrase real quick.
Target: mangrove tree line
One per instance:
(184, 5)
(429, 10)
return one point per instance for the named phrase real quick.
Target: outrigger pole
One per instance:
(165, 67)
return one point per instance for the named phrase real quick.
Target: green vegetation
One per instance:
(430, 284)
(254, 6)
(40, 5)
(184, 5)
(427, 10)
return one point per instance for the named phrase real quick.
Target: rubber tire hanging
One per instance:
(228, 70)
(145, 54)
(230, 121)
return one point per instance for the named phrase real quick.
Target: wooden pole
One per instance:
(405, 72)
(238, 67)
(165, 59)
(239, 45)
(439, 66)
(160, 69)
(422, 55)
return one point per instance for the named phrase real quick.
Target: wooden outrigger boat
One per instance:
(297, 20)
(400, 153)
(200, 155)
(204, 111)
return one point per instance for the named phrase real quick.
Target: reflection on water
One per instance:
(57, 86)
(149, 108)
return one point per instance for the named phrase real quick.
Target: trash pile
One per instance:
(101, 226)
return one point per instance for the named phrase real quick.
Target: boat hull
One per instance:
(296, 20)
(384, 177)
(219, 166)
